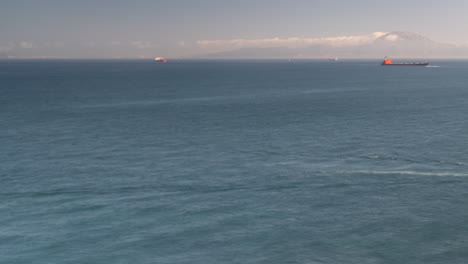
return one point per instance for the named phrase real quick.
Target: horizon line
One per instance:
(217, 59)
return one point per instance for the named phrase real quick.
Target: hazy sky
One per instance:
(171, 28)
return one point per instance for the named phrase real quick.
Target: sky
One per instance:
(179, 28)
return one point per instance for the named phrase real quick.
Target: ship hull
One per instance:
(407, 64)
(160, 59)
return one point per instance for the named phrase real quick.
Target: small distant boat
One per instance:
(160, 59)
(333, 59)
(389, 62)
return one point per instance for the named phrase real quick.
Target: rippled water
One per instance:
(233, 162)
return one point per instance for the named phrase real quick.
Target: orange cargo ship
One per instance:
(389, 62)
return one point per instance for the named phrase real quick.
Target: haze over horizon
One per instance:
(185, 29)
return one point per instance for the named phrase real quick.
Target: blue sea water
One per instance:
(271, 161)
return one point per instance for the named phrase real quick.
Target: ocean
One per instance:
(242, 161)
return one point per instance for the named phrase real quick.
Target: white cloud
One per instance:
(392, 37)
(181, 43)
(142, 44)
(25, 45)
(294, 42)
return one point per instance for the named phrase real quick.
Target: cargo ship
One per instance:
(160, 59)
(389, 62)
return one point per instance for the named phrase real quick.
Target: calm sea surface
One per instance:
(233, 162)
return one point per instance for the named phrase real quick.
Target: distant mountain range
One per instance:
(378, 44)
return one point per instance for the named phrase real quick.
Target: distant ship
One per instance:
(333, 59)
(160, 59)
(389, 62)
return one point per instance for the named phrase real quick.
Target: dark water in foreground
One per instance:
(233, 162)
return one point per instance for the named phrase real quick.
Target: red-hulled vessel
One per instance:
(389, 62)
(160, 59)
